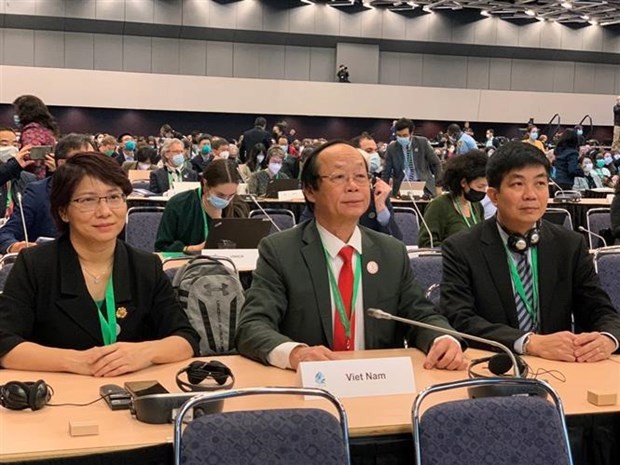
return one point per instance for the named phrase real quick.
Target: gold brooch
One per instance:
(121, 312)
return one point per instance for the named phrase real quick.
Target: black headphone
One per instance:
(199, 371)
(499, 365)
(519, 243)
(18, 395)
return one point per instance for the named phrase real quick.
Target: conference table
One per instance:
(43, 435)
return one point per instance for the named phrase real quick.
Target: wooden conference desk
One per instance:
(27, 435)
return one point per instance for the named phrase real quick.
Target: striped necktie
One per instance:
(525, 273)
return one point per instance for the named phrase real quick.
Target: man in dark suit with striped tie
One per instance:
(519, 279)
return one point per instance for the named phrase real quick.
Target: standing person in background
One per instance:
(567, 160)
(254, 136)
(615, 145)
(38, 127)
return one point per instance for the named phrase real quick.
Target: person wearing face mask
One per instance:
(257, 161)
(127, 147)
(145, 155)
(609, 163)
(410, 158)
(531, 137)
(601, 170)
(290, 165)
(590, 178)
(258, 181)
(204, 153)
(189, 216)
(459, 209)
(175, 168)
(464, 142)
(106, 144)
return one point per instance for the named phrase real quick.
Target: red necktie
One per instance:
(345, 286)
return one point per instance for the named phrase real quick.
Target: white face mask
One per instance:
(143, 166)
(225, 154)
(587, 167)
(6, 153)
(275, 167)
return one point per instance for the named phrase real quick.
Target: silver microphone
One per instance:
(582, 229)
(428, 230)
(21, 211)
(260, 207)
(381, 315)
(565, 196)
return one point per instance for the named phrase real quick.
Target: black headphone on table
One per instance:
(198, 371)
(499, 365)
(19, 395)
(521, 242)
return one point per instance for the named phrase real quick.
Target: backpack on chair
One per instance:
(211, 295)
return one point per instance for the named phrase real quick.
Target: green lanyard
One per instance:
(471, 210)
(108, 327)
(532, 306)
(333, 284)
(204, 214)
(9, 194)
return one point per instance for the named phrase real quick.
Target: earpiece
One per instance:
(18, 395)
(198, 371)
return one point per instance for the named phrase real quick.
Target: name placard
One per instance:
(244, 259)
(360, 378)
(297, 194)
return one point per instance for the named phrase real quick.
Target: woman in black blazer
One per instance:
(88, 303)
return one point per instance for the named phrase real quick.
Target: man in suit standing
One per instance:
(313, 283)
(251, 137)
(518, 279)
(410, 158)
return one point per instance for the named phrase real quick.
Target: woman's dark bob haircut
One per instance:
(73, 170)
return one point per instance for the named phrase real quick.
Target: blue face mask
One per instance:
(178, 160)
(205, 150)
(16, 120)
(218, 202)
(130, 145)
(404, 141)
(608, 160)
(374, 162)
(533, 135)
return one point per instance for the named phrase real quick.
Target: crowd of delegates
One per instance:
(90, 304)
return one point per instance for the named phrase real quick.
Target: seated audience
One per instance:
(523, 281)
(35, 202)
(126, 148)
(106, 144)
(175, 168)
(189, 215)
(145, 158)
(257, 161)
(88, 303)
(258, 181)
(590, 178)
(290, 315)
(459, 209)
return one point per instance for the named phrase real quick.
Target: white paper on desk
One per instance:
(296, 194)
(244, 259)
(360, 378)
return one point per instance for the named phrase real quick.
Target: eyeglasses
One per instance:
(90, 203)
(361, 179)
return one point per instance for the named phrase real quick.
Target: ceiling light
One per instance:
(586, 17)
(567, 5)
(530, 12)
(486, 13)
(428, 9)
(593, 22)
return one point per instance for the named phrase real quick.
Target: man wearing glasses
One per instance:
(313, 283)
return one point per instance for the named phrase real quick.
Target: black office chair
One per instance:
(299, 436)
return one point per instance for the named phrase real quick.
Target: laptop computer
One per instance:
(237, 233)
(278, 185)
(412, 188)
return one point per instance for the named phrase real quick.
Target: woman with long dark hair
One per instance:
(567, 159)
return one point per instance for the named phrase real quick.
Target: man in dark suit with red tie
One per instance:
(313, 283)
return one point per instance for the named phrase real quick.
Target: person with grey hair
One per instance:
(175, 169)
(257, 184)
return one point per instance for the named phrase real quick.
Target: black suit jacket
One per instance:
(477, 295)
(290, 299)
(251, 137)
(159, 182)
(427, 164)
(45, 300)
